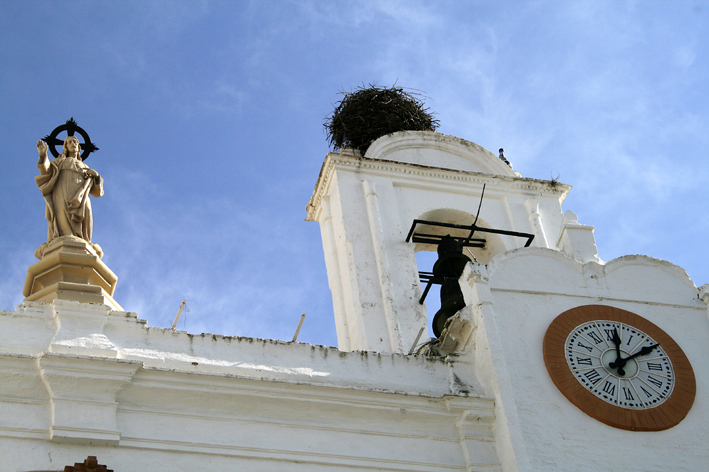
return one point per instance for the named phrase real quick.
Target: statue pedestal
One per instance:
(70, 269)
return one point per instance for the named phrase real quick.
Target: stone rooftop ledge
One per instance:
(97, 331)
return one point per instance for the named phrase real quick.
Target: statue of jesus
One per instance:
(66, 183)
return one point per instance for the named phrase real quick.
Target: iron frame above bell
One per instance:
(467, 242)
(436, 239)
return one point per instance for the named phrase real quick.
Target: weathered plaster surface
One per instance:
(527, 288)
(81, 377)
(366, 205)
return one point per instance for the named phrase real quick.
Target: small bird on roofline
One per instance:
(503, 159)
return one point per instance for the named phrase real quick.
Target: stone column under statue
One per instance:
(70, 266)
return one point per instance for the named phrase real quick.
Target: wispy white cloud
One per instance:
(209, 114)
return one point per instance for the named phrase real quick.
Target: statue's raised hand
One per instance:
(42, 148)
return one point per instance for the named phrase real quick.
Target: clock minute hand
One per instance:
(642, 352)
(618, 363)
(616, 340)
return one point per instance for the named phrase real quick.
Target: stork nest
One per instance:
(368, 113)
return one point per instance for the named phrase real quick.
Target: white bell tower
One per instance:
(366, 206)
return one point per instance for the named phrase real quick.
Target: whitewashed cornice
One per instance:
(416, 172)
(408, 144)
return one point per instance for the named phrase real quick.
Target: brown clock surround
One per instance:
(661, 417)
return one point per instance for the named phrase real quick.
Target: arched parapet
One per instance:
(428, 148)
(654, 279)
(632, 278)
(536, 269)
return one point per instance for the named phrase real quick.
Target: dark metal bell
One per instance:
(451, 260)
(448, 268)
(452, 301)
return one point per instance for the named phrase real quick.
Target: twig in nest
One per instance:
(368, 113)
(554, 182)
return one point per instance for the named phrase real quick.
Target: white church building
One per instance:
(557, 362)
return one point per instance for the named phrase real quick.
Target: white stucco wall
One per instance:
(366, 206)
(522, 292)
(81, 379)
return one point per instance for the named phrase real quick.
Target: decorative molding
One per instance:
(319, 458)
(83, 394)
(383, 267)
(155, 378)
(483, 433)
(595, 298)
(452, 145)
(335, 161)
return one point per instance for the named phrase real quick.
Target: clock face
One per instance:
(620, 364)
(619, 368)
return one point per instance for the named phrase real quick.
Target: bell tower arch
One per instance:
(366, 206)
(494, 243)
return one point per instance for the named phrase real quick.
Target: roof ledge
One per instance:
(433, 149)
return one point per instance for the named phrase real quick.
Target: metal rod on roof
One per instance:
(413, 346)
(477, 215)
(179, 312)
(297, 330)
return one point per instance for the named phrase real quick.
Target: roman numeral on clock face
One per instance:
(657, 383)
(646, 377)
(596, 338)
(593, 376)
(619, 368)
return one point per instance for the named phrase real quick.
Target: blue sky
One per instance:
(208, 115)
